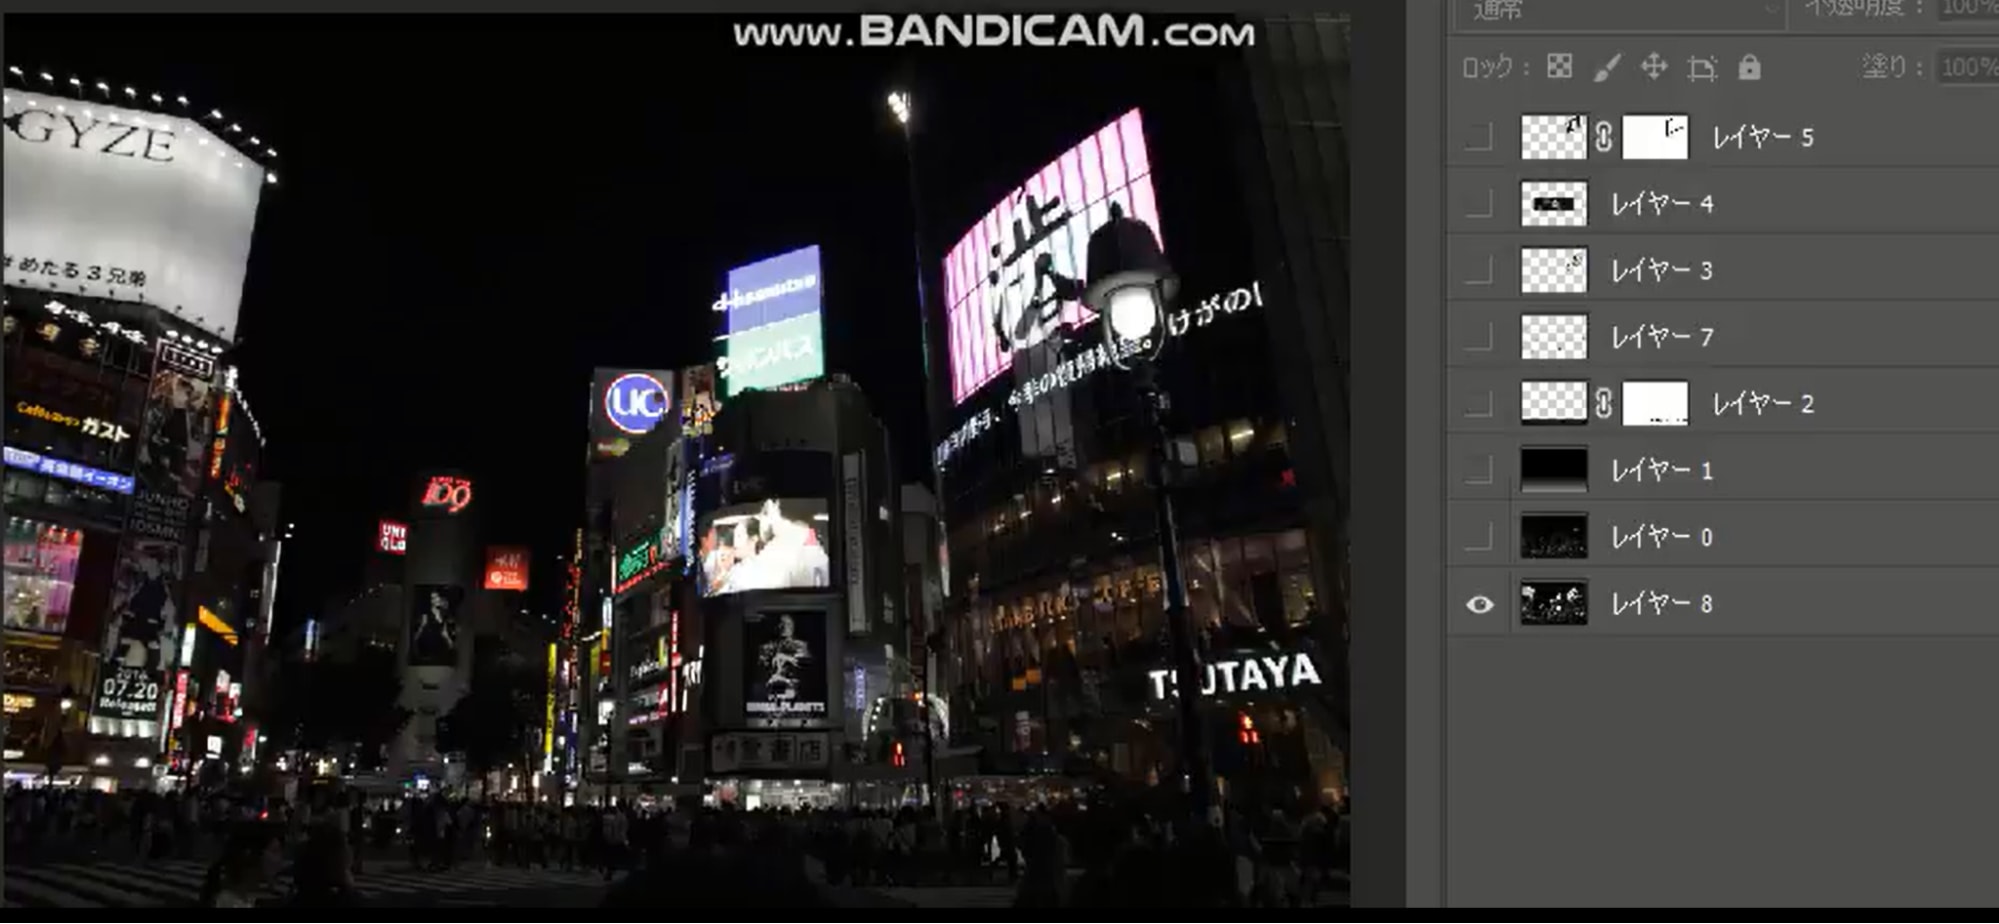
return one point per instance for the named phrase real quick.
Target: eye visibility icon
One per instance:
(1480, 605)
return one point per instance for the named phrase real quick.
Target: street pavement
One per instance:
(1001, 896)
(177, 883)
(971, 896)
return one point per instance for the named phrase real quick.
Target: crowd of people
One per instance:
(1102, 853)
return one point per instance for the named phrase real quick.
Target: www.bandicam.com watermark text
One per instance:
(1000, 30)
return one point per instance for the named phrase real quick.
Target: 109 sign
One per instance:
(453, 494)
(635, 402)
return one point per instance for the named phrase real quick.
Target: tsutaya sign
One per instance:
(1180, 322)
(1247, 673)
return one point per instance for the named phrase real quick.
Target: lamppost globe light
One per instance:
(1124, 255)
(1131, 285)
(898, 103)
(1133, 312)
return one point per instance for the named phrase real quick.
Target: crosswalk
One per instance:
(170, 883)
(993, 896)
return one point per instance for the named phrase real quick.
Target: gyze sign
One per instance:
(1245, 674)
(96, 136)
(452, 494)
(109, 201)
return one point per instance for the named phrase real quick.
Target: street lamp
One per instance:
(58, 739)
(900, 106)
(1130, 287)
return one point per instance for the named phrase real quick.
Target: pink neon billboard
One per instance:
(1013, 280)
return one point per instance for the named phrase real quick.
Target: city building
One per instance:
(1054, 657)
(625, 542)
(131, 453)
(798, 582)
(756, 598)
(451, 596)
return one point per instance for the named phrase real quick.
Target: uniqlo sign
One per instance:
(392, 537)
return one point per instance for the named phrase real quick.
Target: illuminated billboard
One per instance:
(138, 637)
(118, 203)
(773, 545)
(697, 400)
(392, 537)
(1016, 277)
(506, 568)
(433, 628)
(67, 471)
(624, 405)
(784, 670)
(41, 574)
(639, 560)
(773, 356)
(447, 493)
(771, 323)
(179, 421)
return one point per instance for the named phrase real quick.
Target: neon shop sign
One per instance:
(452, 494)
(635, 402)
(1244, 674)
(1179, 323)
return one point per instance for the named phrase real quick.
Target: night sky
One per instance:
(474, 212)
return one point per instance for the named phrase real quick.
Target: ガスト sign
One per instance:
(452, 494)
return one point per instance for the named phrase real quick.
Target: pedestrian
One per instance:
(323, 877)
(250, 861)
(616, 832)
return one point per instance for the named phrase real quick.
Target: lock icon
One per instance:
(1751, 68)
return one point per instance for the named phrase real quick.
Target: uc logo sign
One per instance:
(634, 402)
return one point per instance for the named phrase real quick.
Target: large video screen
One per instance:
(139, 634)
(173, 453)
(785, 670)
(771, 545)
(434, 625)
(1016, 277)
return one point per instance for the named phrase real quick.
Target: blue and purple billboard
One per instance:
(771, 333)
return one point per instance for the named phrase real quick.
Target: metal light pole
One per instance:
(900, 105)
(1130, 286)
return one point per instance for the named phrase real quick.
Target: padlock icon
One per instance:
(1751, 68)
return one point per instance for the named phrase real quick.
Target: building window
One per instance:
(1241, 435)
(1212, 445)
(1261, 600)
(1294, 569)
(41, 560)
(28, 488)
(1204, 581)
